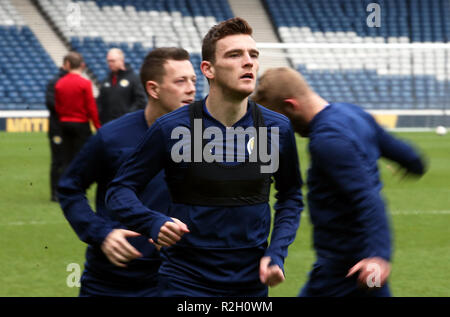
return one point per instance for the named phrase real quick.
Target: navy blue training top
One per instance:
(224, 244)
(345, 202)
(97, 162)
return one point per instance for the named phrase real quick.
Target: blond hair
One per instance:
(279, 84)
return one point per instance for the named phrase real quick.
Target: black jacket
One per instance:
(126, 96)
(50, 102)
(50, 93)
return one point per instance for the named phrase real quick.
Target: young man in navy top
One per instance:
(120, 262)
(215, 242)
(351, 228)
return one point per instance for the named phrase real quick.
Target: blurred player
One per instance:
(54, 133)
(351, 230)
(121, 92)
(216, 243)
(120, 262)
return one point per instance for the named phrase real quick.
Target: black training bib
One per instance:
(217, 184)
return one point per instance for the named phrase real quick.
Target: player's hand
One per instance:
(372, 271)
(270, 275)
(402, 173)
(117, 248)
(157, 246)
(171, 232)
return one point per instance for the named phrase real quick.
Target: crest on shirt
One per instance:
(57, 139)
(250, 145)
(124, 83)
(107, 84)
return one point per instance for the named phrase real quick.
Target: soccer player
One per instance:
(120, 262)
(352, 238)
(216, 241)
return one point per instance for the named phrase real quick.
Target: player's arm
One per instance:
(91, 105)
(79, 176)
(344, 165)
(135, 173)
(401, 152)
(50, 95)
(288, 206)
(100, 103)
(86, 169)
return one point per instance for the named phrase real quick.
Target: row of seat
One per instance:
(378, 92)
(136, 27)
(135, 54)
(25, 68)
(155, 23)
(408, 78)
(418, 20)
(375, 78)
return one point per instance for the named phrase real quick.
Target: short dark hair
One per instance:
(153, 66)
(75, 60)
(225, 28)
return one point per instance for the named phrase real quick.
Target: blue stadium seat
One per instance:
(94, 48)
(23, 63)
(402, 21)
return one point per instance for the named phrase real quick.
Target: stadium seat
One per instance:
(137, 26)
(420, 78)
(25, 67)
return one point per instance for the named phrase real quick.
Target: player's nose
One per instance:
(191, 88)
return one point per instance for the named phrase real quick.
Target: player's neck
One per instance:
(317, 104)
(224, 108)
(76, 71)
(152, 112)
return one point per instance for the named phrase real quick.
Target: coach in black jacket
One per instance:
(122, 91)
(54, 134)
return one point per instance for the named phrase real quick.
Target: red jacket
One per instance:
(74, 100)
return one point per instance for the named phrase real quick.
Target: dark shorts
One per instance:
(174, 287)
(92, 286)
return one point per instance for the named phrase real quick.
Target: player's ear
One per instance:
(291, 104)
(207, 69)
(152, 88)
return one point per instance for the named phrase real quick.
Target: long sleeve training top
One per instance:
(345, 203)
(224, 244)
(97, 162)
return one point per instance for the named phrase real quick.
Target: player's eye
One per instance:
(235, 54)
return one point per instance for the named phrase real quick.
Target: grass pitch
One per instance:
(37, 243)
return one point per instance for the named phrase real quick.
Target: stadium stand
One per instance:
(25, 67)
(378, 78)
(136, 27)
(375, 77)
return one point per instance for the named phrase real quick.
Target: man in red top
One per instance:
(75, 106)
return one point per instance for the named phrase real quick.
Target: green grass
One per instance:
(37, 243)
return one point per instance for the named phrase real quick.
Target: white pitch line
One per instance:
(418, 212)
(27, 223)
(410, 212)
